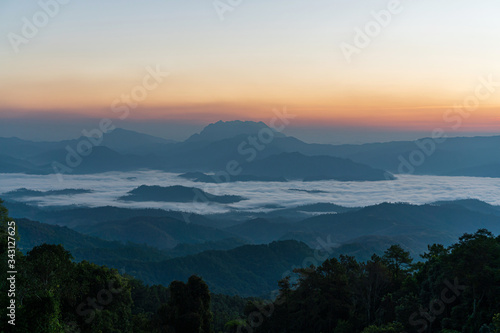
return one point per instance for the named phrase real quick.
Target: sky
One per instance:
(343, 74)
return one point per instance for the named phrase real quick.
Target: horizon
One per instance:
(180, 132)
(371, 130)
(224, 166)
(405, 76)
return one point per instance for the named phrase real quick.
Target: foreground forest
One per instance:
(452, 289)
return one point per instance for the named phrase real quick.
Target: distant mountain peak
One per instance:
(228, 129)
(125, 134)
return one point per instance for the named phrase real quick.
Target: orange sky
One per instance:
(263, 56)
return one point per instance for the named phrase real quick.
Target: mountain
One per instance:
(444, 223)
(21, 193)
(76, 216)
(359, 232)
(185, 249)
(119, 140)
(362, 248)
(489, 170)
(159, 232)
(306, 211)
(459, 156)
(249, 270)
(177, 193)
(83, 247)
(276, 214)
(101, 159)
(229, 129)
(115, 151)
(211, 156)
(204, 178)
(438, 222)
(260, 231)
(9, 164)
(473, 205)
(22, 149)
(449, 156)
(131, 142)
(412, 225)
(100, 251)
(312, 168)
(246, 143)
(233, 269)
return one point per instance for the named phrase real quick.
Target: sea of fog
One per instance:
(108, 187)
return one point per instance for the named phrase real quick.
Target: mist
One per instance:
(108, 187)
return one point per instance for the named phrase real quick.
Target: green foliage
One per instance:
(83, 247)
(187, 310)
(246, 271)
(388, 328)
(40, 313)
(4, 233)
(226, 308)
(455, 289)
(232, 325)
(496, 323)
(49, 266)
(397, 259)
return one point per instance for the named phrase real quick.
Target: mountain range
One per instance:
(247, 257)
(238, 145)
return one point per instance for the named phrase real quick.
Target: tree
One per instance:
(50, 265)
(376, 283)
(388, 328)
(475, 262)
(41, 313)
(232, 326)
(397, 259)
(496, 323)
(187, 310)
(7, 254)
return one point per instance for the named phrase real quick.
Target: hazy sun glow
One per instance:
(428, 59)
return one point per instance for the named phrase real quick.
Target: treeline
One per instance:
(454, 289)
(245, 270)
(54, 294)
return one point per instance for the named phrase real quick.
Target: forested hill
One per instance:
(453, 289)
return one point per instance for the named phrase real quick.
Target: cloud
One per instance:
(107, 187)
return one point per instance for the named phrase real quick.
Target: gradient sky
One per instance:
(263, 55)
